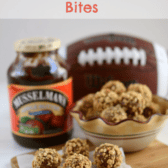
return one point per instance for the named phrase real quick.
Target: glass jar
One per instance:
(40, 94)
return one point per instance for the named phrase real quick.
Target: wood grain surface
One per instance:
(154, 156)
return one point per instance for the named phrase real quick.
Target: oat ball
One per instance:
(46, 158)
(87, 103)
(91, 114)
(140, 118)
(78, 105)
(133, 102)
(144, 90)
(114, 114)
(107, 156)
(76, 145)
(103, 99)
(153, 108)
(77, 161)
(115, 86)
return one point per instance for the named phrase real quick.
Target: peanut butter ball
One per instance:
(77, 161)
(107, 156)
(103, 99)
(114, 114)
(87, 103)
(46, 158)
(140, 117)
(76, 145)
(144, 90)
(133, 102)
(115, 86)
(91, 113)
(77, 106)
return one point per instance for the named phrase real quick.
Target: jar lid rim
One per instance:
(37, 44)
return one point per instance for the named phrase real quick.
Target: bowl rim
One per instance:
(81, 117)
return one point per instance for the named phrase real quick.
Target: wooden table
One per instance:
(154, 156)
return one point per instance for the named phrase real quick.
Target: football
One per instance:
(95, 60)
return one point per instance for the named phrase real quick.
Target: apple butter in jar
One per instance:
(40, 94)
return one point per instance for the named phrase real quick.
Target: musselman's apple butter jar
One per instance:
(40, 94)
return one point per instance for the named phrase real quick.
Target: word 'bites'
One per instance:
(79, 8)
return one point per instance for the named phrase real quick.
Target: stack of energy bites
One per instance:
(114, 102)
(76, 155)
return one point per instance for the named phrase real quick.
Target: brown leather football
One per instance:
(98, 59)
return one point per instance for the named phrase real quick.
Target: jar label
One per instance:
(41, 111)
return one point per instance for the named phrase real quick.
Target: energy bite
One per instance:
(87, 103)
(46, 158)
(103, 99)
(91, 114)
(133, 102)
(114, 114)
(140, 118)
(144, 90)
(76, 145)
(78, 105)
(115, 86)
(153, 108)
(77, 161)
(107, 156)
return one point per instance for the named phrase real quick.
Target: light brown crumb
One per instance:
(87, 103)
(91, 114)
(114, 114)
(76, 145)
(144, 90)
(132, 102)
(140, 118)
(78, 105)
(46, 158)
(107, 156)
(115, 86)
(77, 161)
(103, 99)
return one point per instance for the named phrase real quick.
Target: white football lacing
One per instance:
(109, 54)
